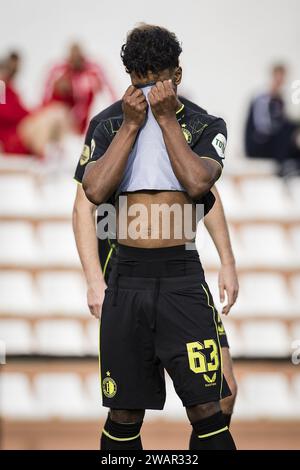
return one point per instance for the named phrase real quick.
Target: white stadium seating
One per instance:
(231, 198)
(59, 337)
(61, 395)
(266, 245)
(18, 244)
(19, 196)
(265, 339)
(17, 293)
(16, 396)
(57, 196)
(264, 294)
(17, 336)
(275, 399)
(92, 337)
(266, 198)
(295, 242)
(65, 395)
(57, 244)
(62, 293)
(93, 395)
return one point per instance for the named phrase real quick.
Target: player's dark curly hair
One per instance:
(150, 48)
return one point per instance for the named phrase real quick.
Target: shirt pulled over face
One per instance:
(148, 166)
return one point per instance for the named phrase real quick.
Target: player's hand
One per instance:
(95, 297)
(163, 101)
(228, 282)
(134, 105)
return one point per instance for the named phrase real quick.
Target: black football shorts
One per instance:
(158, 314)
(107, 253)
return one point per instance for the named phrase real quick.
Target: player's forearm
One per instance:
(87, 243)
(102, 177)
(196, 175)
(217, 227)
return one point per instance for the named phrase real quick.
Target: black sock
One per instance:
(116, 436)
(211, 434)
(227, 418)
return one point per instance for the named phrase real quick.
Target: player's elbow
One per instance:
(92, 192)
(199, 188)
(201, 183)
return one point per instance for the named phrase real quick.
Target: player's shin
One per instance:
(121, 436)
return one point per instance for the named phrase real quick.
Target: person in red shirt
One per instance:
(25, 131)
(12, 111)
(75, 84)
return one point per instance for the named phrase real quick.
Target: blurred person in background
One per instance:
(75, 83)
(269, 132)
(13, 111)
(26, 131)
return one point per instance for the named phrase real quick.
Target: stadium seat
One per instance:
(275, 398)
(92, 337)
(211, 278)
(59, 338)
(57, 244)
(17, 293)
(233, 334)
(92, 389)
(17, 401)
(296, 393)
(295, 286)
(294, 189)
(62, 293)
(266, 198)
(295, 245)
(242, 410)
(267, 245)
(61, 395)
(17, 336)
(264, 294)
(243, 167)
(208, 254)
(173, 407)
(18, 196)
(295, 338)
(265, 339)
(18, 245)
(231, 199)
(57, 196)
(207, 251)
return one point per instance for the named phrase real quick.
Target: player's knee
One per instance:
(202, 411)
(127, 416)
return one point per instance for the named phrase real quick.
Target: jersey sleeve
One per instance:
(212, 142)
(100, 142)
(86, 152)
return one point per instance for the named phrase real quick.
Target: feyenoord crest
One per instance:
(187, 134)
(109, 386)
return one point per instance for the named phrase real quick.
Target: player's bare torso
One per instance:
(155, 219)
